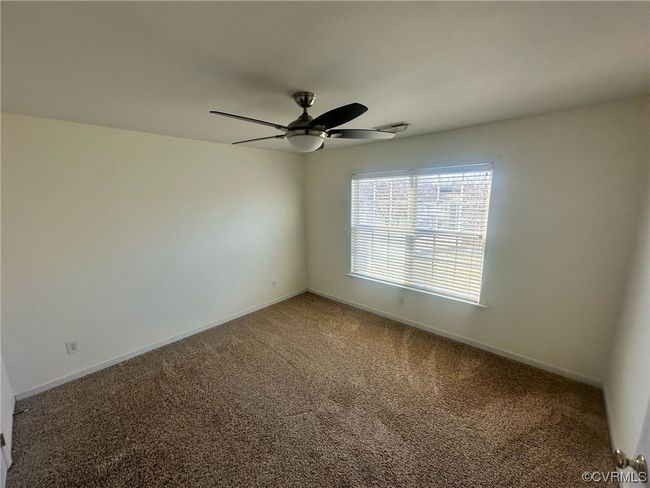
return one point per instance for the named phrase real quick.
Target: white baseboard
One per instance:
(480, 345)
(136, 352)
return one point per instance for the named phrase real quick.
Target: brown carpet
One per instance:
(312, 393)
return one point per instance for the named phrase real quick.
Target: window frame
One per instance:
(425, 169)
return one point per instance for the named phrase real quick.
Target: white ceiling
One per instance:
(159, 67)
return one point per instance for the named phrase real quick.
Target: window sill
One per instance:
(418, 290)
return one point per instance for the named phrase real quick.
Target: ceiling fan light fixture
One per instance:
(306, 140)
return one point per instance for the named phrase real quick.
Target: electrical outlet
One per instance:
(72, 347)
(273, 283)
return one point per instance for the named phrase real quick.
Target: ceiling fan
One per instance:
(307, 134)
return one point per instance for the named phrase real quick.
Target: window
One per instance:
(422, 229)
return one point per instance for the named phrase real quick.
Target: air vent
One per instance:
(394, 128)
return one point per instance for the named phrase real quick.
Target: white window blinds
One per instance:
(423, 229)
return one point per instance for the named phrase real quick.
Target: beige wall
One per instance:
(566, 200)
(627, 385)
(121, 240)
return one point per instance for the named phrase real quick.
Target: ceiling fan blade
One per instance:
(339, 116)
(360, 134)
(248, 119)
(260, 139)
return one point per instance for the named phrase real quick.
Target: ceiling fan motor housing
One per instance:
(311, 138)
